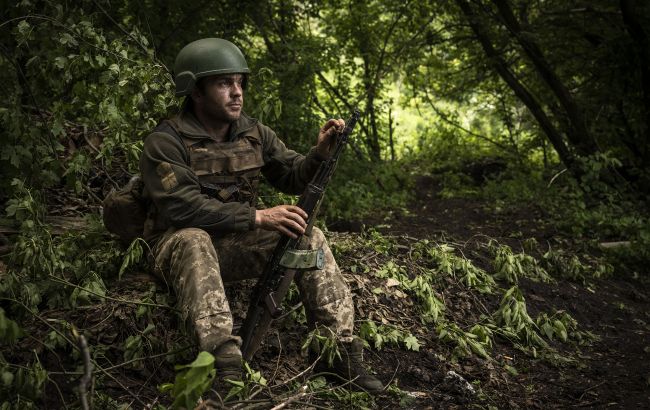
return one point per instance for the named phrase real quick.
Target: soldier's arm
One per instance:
(176, 193)
(285, 169)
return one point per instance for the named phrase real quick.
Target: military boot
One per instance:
(228, 363)
(350, 367)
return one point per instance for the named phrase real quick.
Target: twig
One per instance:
(393, 376)
(316, 406)
(87, 376)
(293, 309)
(133, 302)
(588, 404)
(45, 322)
(236, 404)
(89, 142)
(126, 389)
(591, 388)
(307, 370)
(555, 177)
(147, 358)
(137, 359)
(123, 30)
(277, 364)
(16, 301)
(446, 119)
(151, 376)
(301, 394)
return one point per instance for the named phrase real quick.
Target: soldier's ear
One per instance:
(197, 94)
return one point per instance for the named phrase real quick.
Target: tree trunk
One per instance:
(373, 136)
(577, 134)
(641, 45)
(390, 134)
(501, 67)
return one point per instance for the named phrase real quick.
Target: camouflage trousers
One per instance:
(196, 266)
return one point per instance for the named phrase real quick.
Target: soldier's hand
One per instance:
(327, 136)
(287, 219)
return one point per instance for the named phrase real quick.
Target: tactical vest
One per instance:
(228, 171)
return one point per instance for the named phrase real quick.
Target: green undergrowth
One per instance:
(358, 189)
(420, 283)
(597, 207)
(433, 277)
(51, 284)
(463, 303)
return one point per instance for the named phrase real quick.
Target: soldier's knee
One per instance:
(317, 236)
(192, 237)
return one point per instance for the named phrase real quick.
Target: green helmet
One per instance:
(208, 56)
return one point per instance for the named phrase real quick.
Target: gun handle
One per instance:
(252, 343)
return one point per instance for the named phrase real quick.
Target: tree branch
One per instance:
(502, 68)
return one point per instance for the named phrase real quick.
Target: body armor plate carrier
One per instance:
(228, 171)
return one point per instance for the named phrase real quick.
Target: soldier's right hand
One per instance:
(287, 219)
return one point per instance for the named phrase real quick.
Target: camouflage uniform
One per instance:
(196, 255)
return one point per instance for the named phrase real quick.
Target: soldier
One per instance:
(201, 171)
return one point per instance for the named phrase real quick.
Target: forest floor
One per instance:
(612, 370)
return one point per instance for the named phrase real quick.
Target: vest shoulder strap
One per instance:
(255, 131)
(165, 127)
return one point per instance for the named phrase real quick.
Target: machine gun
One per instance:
(289, 255)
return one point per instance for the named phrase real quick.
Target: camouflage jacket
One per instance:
(175, 180)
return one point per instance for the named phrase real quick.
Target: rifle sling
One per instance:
(303, 260)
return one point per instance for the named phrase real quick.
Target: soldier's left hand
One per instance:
(327, 136)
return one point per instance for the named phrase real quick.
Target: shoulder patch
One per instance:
(167, 176)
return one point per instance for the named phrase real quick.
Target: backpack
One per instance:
(125, 209)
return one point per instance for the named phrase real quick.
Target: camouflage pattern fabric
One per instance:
(196, 265)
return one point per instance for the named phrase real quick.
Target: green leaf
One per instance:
(560, 330)
(150, 328)
(60, 62)
(7, 378)
(204, 359)
(66, 38)
(318, 383)
(165, 387)
(411, 343)
(194, 379)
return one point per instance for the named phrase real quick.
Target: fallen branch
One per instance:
(302, 393)
(614, 245)
(87, 376)
(99, 295)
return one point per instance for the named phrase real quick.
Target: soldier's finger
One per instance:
(329, 124)
(296, 218)
(294, 226)
(297, 210)
(282, 229)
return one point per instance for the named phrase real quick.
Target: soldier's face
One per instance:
(221, 97)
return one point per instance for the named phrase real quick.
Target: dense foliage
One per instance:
(516, 102)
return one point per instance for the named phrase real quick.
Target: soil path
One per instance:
(613, 372)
